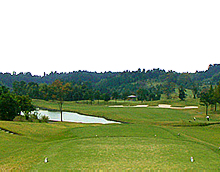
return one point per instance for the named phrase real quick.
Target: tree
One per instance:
(43, 91)
(86, 96)
(12, 104)
(106, 97)
(97, 95)
(182, 93)
(185, 81)
(25, 104)
(9, 107)
(125, 94)
(89, 95)
(168, 88)
(217, 93)
(20, 88)
(32, 90)
(142, 94)
(215, 97)
(207, 98)
(204, 98)
(158, 92)
(3, 90)
(115, 96)
(57, 93)
(195, 90)
(77, 92)
(68, 91)
(212, 100)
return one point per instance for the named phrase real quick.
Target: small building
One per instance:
(132, 98)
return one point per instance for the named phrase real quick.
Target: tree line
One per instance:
(13, 102)
(120, 81)
(111, 89)
(85, 91)
(155, 81)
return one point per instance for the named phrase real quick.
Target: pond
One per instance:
(74, 117)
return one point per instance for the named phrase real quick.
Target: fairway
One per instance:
(148, 139)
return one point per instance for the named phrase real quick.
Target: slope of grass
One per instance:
(148, 141)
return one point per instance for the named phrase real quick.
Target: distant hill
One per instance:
(212, 75)
(131, 80)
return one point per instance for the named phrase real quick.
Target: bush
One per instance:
(44, 118)
(20, 118)
(31, 118)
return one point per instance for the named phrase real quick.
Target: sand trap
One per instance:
(177, 107)
(186, 107)
(191, 107)
(164, 106)
(141, 106)
(159, 106)
(170, 107)
(116, 106)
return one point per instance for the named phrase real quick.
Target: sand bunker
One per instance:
(191, 107)
(141, 106)
(164, 106)
(170, 107)
(116, 106)
(159, 106)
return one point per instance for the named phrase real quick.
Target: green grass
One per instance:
(148, 140)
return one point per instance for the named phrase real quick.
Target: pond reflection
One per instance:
(74, 117)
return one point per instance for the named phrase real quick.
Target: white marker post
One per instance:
(46, 160)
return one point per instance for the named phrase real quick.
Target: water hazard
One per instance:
(74, 117)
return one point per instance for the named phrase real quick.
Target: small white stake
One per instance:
(46, 160)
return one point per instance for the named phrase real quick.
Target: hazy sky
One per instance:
(40, 36)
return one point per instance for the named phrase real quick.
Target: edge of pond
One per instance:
(55, 110)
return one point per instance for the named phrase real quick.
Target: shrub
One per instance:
(44, 118)
(33, 117)
(20, 118)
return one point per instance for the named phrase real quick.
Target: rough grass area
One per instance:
(150, 139)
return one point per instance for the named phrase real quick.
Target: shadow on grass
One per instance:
(8, 131)
(192, 124)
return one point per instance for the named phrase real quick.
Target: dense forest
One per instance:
(152, 83)
(17, 90)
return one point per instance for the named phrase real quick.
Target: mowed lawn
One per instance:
(146, 140)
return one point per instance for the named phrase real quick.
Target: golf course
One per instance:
(148, 138)
(103, 86)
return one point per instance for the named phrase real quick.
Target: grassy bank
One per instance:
(148, 140)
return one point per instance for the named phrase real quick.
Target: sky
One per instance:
(108, 35)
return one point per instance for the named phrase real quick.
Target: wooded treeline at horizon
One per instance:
(81, 84)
